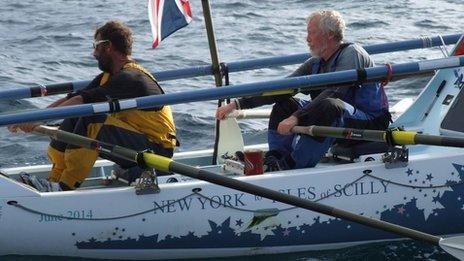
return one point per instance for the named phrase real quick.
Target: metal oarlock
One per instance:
(147, 183)
(396, 157)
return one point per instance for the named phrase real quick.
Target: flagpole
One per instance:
(212, 42)
(215, 65)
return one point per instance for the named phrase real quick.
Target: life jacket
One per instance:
(158, 125)
(368, 97)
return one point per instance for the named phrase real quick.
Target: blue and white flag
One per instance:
(167, 16)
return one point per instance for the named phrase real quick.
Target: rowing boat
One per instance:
(419, 187)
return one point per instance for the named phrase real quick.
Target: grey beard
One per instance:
(320, 51)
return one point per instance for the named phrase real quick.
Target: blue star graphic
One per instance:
(436, 198)
(238, 222)
(409, 172)
(429, 177)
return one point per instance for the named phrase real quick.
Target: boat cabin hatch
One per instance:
(453, 122)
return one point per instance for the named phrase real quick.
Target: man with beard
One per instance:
(122, 78)
(363, 106)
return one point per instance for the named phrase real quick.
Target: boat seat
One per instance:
(352, 151)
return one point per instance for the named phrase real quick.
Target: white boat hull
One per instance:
(116, 223)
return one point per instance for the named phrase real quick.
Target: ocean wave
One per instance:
(368, 24)
(427, 23)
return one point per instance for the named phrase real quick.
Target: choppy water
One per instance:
(47, 41)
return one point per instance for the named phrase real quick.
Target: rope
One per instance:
(225, 72)
(443, 48)
(43, 90)
(389, 75)
(446, 185)
(18, 205)
(331, 194)
(389, 138)
(426, 42)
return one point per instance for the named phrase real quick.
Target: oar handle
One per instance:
(46, 130)
(249, 114)
(342, 133)
(307, 130)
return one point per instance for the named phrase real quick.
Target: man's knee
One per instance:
(327, 111)
(282, 110)
(332, 106)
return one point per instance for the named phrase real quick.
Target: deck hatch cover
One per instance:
(454, 120)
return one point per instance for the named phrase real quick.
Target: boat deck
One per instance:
(102, 174)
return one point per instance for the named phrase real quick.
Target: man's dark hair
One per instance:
(118, 34)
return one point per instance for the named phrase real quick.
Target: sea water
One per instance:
(50, 41)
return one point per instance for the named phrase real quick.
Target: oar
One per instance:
(397, 136)
(250, 114)
(452, 245)
(257, 88)
(229, 138)
(237, 66)
(43, 90)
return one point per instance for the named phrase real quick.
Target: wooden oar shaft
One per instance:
(399, 137)
(163, 163)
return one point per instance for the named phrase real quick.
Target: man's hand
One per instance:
(26, 127)
(285, 126)
(222, 111)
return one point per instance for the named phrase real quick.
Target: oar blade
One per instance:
(230, 138)
(454, 246)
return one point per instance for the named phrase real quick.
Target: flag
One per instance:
(167, 16)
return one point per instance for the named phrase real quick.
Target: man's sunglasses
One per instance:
(96, 43)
